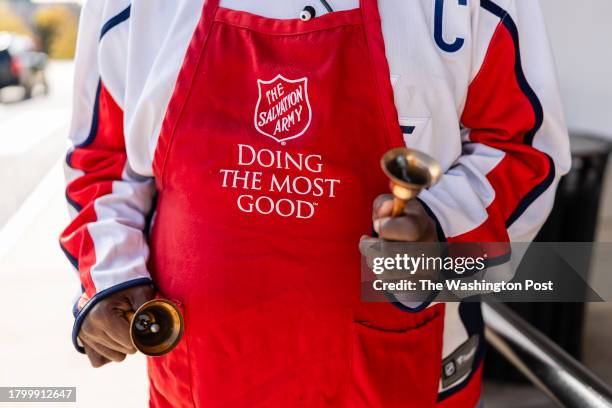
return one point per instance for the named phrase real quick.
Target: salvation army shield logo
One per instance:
(283, 109)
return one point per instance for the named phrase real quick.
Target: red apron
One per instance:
(267, 166)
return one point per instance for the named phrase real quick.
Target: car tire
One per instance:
(27, 92)
(45, 86)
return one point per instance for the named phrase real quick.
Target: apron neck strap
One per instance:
(369, 10)
(210, 8)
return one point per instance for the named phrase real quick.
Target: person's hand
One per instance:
(105, 332)
(414, 225)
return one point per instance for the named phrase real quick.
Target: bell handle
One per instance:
(398, 206)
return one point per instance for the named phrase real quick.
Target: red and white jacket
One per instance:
(474, 86)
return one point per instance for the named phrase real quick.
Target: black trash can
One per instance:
(579, 193)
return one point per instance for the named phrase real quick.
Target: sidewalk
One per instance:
(36, 293)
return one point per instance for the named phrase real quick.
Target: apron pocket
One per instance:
(397, 368)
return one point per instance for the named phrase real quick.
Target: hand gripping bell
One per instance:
(156, 327)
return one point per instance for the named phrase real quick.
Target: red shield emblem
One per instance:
(283, 109)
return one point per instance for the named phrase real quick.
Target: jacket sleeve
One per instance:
(515, 143)
(105, 240)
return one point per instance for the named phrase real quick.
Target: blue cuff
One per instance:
(393, 300)
(439, 230)
(432, 296)
(103, 294)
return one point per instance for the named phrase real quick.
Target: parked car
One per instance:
(21, 64)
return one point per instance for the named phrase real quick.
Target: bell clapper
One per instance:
(409, 171)
(156, 327)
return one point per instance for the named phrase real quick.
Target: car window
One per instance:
(19, 44)
(5, 41)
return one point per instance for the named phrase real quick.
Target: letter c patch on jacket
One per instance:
(449, 46)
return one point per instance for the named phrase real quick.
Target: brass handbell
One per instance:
(409, 172)
(156, 327)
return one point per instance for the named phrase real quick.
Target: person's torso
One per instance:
(429, 46)
(431, 60)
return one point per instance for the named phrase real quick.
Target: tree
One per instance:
(12, 22)
(57, 27)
